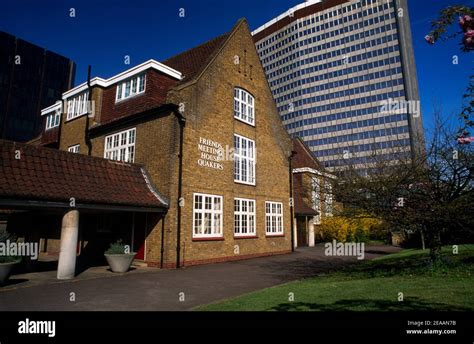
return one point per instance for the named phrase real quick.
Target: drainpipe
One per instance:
(89, 95)
(290, 170)
(162, 253)
(182, 123)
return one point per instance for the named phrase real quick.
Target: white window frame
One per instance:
(273, 218)
(121, 146)
(133, 86)
(214, 214)
(77, 105)
(244, 106)
(53, 119)
(316, 198)
(244, 214)
(244, 159)
(74, 149)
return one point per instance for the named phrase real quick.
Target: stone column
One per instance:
(67, 253)
(295, 232)
(311, 232)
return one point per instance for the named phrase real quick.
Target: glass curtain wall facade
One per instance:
(343, 77)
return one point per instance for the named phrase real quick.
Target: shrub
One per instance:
(358, 229)
(4, 237)
(334, 228)
(116, 248)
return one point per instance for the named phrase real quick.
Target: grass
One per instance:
(374, 286)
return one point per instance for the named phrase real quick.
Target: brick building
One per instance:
(204, 126)
(313, 194)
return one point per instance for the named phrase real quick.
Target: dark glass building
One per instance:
(31, 78)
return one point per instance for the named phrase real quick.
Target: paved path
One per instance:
(160, 289)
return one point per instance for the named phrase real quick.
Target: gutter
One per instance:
(35, 204)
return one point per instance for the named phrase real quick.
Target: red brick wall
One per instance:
(50, 136)
(157, 85)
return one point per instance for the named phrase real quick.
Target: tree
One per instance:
(432, 193)
(439, 31)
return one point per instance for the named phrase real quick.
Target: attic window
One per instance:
(130, 87)
(53, 119)
(244, 106)
(77, 106)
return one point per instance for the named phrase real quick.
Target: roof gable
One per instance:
(304, 157)
(193, 61)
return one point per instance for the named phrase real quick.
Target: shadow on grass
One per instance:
(409, 304)
(411, 265)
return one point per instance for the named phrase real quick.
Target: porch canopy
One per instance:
(34, 177)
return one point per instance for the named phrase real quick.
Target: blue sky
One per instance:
(104, 31)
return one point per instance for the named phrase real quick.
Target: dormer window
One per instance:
(53, 119)
(244, 106)
(130, 87)
(77, 106)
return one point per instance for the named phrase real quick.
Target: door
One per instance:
(302, 231)
(139, 235)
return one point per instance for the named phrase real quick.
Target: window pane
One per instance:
(141, 87)
(217, 203)
(134, 86)
(217, 224)
(119, 92)
(127, 89)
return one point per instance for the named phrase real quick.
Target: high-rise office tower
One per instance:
(31, 79)
(344, 79)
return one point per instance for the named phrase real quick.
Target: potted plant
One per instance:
(6, 262)
(119, 257)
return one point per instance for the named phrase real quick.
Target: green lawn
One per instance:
(374, 286)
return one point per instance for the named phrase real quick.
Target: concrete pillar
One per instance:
(295, 232)
(67, 253)
(311, 233)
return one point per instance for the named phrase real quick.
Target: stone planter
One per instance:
(5, 270)
(120, 262)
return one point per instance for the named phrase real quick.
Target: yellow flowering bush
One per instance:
(342, 228)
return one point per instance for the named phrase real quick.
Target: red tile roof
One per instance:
(304, 157)
(45, 174)
(191, 62)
